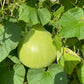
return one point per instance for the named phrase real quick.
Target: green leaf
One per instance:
(57, 42)
(6, 63)
(72, 23)
(83, 50)
(44, 15)
(68, 3)
(9, 38)
(54, 75)
(71, 59)
(58, 12)
(70, 42)
(33, 16)
(81, 73)
(13, 57)
(28, 14)
(15, 76)
(56, 15)
(31, 3)
(81, 3)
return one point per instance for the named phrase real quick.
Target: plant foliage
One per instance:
(64, 19)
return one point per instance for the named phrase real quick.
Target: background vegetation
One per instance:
(64, 19)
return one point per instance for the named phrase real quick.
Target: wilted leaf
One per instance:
(71, 59)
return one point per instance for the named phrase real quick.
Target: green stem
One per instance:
(9, 7)
(3, 4)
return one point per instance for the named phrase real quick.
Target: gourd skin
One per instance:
(37, 49)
